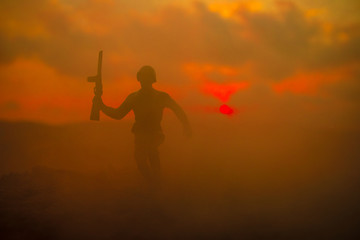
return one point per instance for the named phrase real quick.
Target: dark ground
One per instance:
(80, 182)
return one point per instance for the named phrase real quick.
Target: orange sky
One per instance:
(260, 57)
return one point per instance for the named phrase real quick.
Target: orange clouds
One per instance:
(40, 93)
(310, 83)
(223, 50)
(230, 9)
(223, 91)
(218, 81)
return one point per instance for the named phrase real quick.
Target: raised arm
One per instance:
(121, 111)
(180, 114)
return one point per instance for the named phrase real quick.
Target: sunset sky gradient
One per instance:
(265, 59)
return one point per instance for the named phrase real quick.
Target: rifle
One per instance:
(98, 90)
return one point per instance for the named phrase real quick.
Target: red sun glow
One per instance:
(223, 91)
(225, 109)
(226, 86)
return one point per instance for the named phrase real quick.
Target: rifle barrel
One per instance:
(99, 63)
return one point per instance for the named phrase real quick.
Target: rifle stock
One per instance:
(95, 112)
(95, 109)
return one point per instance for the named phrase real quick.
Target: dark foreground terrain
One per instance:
(80, 182)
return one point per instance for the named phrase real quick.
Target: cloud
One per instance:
(200, 46)
(64, 35)
(219, 81)
(312, 82)
(10, 106)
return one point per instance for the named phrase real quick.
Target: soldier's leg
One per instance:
(154, 159)
(141, 156)
(154, 156)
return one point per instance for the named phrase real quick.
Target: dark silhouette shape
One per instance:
(95, 109)
(148, 105)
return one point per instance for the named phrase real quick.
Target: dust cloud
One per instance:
(232, 180)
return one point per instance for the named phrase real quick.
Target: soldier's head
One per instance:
(146, 76)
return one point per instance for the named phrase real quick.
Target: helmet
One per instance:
(146, 73)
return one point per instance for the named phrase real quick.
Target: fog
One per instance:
(232, 180)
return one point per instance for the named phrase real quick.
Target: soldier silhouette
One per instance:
(148, 105)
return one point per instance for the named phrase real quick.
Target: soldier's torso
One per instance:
(148, 108)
